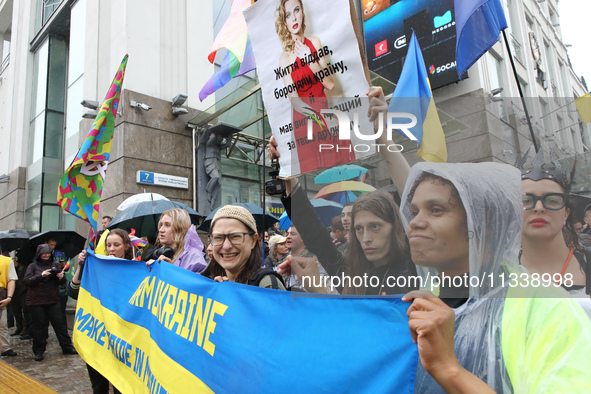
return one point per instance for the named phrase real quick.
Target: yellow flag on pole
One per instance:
(583, 104)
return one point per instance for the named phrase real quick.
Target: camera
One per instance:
(274, 186)
(55, 270)
(164, 251)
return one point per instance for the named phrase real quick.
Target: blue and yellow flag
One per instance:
(413, 95)
(478, 25)
(171, 330)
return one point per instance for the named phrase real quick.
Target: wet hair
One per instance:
(126, 241)
(181, 222)
(281, 28)
(381, 204)
(252, 265)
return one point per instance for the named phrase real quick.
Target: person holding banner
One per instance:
(118, 245)
(236, 251)
(492, 326)
(178, 242)
(304, 60)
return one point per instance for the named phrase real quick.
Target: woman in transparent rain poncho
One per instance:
(467, 219)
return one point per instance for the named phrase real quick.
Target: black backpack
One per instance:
(260, 274)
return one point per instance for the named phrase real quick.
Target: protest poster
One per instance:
(308, 60)
(171, 330)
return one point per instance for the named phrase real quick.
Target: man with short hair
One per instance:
(346, 216)
(106, 221)
(8, 279)
(338, 234)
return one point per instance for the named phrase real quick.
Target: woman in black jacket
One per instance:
(43, 277)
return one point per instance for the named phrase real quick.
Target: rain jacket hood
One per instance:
(491, 195)
(514, 343)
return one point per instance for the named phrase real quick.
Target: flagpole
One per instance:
(531, 129)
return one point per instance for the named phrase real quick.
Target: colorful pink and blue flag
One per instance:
(239, 58)
(80, 188)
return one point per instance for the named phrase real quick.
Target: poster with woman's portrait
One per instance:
(308, 61)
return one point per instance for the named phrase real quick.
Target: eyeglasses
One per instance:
(235, 238)
(551, 201)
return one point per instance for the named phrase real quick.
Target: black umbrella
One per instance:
(14, 239)
(69, 242)
(144, 217)
(255, 210)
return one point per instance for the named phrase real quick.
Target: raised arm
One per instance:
(396, 163)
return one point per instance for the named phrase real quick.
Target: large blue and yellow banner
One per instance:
(171, 330)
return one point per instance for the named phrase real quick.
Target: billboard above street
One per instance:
(388, 27)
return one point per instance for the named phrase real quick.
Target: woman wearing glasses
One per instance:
(550, 244)
(237, 254)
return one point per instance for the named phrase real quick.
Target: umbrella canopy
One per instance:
(141, 197)
(255, 210)
(9, 242)
(70, 243)
(326, 210)
(345, 191)
(144, 217)
(341, 173)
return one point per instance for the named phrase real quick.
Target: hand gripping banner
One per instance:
(171, 330)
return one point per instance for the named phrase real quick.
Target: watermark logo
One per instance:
(395, 121)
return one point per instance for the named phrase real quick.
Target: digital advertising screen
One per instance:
(388, 27)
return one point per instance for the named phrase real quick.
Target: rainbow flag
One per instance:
(80, 188)
(413, 95)
(239, 58)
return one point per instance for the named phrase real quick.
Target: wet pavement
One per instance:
(62, 373)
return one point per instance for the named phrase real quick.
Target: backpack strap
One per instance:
(260, 274)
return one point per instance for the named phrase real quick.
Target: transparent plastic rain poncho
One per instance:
(514, 339)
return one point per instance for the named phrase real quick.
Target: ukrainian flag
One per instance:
(413, 95)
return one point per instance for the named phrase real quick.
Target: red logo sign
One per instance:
(381, 47)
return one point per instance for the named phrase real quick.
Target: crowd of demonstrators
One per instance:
(236, 250)
(8, 279)
(43, 277)
(178, 242)
(465, 220)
